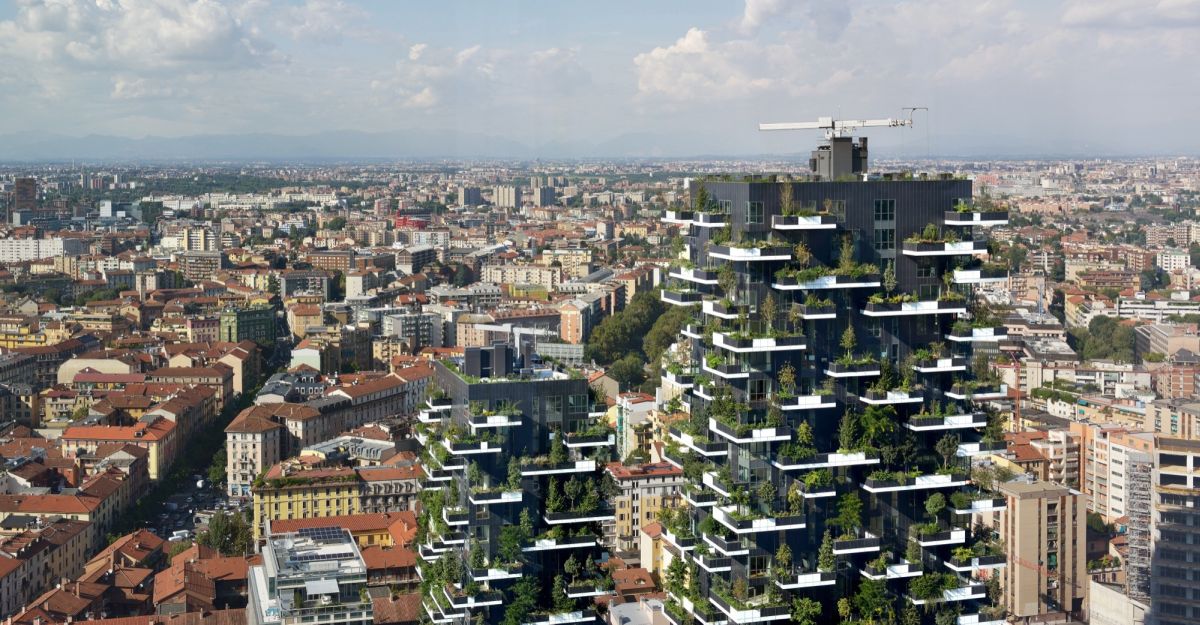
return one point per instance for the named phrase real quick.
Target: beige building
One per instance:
(644, 490)
(1043, 527)
(253, 444)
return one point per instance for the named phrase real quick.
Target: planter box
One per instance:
(680, 298)
(806, 580)
(984, 505)
(952, 422)
(816, 312)
(553, 544)
(710, 220)
(806, 402)
(441, 403)
(462, 449)
(678, 217)
(725, 516)
(943, 248)
(978, 393)
(966, 450)
(867, 544)
(897, 309)
(591, 440)
(698, 276)
(977, 563)
(565, 518)
(941, 365)
(891, 398)
(975, 218)
(727, 371)
(753, 435)
(704, 449)
(692, 331)
(838, 370)
(948, 537)
(750, 615)
(830, 460)
(743, 345)
(578, 466)
(717, 308)
(979, 334)
(810, 222)
(980, 276)
(682, 379)
(832, 281)
(920, 482)
(496, 497)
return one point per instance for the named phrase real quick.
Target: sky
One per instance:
(659, 77)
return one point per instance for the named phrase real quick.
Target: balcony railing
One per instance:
(706, 277)
(984, 505)
(553, 544)
(852, 370)
(941, 365)
(680, 297)
(704, 448)
(921, 482)
(805, 402)
(977, 563)
(891, 398)
(985, 392)
(751, 345)
(815, 579)
(949, 537)
(812, 312)
(831, 281)
(681, 217)
(829, 460)
(577, 466)
(567, 518)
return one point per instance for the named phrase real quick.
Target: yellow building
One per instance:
(383, 529)
(643, 491)
(291, 491)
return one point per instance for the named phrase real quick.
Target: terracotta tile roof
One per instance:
(216, 617)
(403, 609)
(380, 558)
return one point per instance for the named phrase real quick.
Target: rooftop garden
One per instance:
(932, 234)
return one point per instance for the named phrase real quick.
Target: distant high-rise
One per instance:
(1043, 528)
(470, 196)
(24, 196)
(508, 196)
(543, 196)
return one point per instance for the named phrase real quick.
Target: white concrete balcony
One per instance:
(941, 365)
(903, 569)
(766, 522)
(748, 436)
(953, 536)
(980, 506)
(751, 345)
(678, 217)
(796, 581)
(966, 593)
(827, 461)
(977, 563)
(980, 276)
(978, 335)
(831, 281)
(695, 276)
(806, 402)
(704, 448)
(943, 248)
(555, 544)
(891, 398)
(921, 482)
(864, 542)
(489, 498)
(978, 393)
(910, 309)
(920, 423)
(975, 218)
(751, 254)
(577, 466)
(804, 222)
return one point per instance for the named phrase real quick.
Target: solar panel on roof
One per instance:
(322, 533)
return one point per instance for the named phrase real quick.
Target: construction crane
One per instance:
(841, 127)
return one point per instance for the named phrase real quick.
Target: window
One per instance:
(726, 206)
(754, 212)
(758, 389)
(885, 210)
(925, 271)
(837, 208)
(885, 239)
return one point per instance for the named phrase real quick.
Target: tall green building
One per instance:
(835, 407)
(256, 323)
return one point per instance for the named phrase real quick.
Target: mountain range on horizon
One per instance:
(436, 144)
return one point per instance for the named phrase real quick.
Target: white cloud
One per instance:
(1131, 14)
(415, 51)
(693, 67)
(319, 21)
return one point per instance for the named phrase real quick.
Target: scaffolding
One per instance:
(1137, 565)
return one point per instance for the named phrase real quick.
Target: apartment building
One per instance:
(1043, 527)
(312, 575)
(1174, 576)
(253, 444)
(643, 491)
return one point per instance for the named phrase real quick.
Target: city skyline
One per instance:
(1000, 78)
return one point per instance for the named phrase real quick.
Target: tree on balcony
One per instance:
(947, 448)
(783, 560)
(872, 602)
(787, 379)
(806, 611)
(849, 516)
(826, 560)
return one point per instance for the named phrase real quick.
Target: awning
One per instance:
(321, 587)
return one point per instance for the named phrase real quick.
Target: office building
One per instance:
(822, 310)
(315, 575)
(197, 266)
(18, 250)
